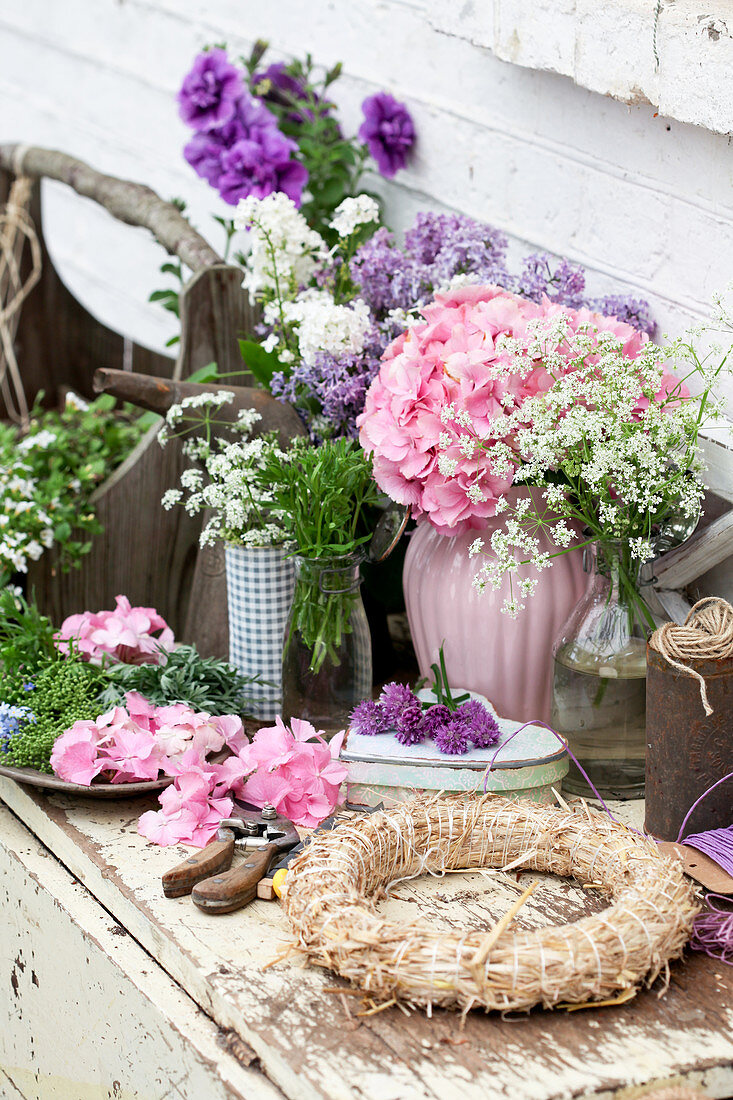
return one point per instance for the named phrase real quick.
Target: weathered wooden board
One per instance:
(311, 1043)
(89, 1015)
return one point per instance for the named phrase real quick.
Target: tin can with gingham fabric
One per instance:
(260, 582)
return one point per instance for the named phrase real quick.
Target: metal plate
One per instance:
(34, 778)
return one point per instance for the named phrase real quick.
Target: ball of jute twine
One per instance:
(705, 635)
(333, 887)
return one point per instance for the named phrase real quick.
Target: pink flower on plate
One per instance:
(75, 756)
(189, 813)
(132, 635)
(133, 754)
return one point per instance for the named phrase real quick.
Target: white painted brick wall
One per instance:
(646, 203)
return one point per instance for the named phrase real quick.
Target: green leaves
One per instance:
(77, 449)
(25, 635)
(204, 683)
(261, 364)
(322, 492)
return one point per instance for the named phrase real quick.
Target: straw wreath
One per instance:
(333, 886)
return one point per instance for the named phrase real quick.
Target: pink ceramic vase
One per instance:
(508, 660)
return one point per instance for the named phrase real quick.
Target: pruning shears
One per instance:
(214, 885)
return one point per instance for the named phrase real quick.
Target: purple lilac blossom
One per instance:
(454, 244)
(338, 382)
(388, 132)
(565, 285)
(634, 311)
(210, 91)
(480, 723)
(452, 736)
(410, 725)
(388, 278)
(393, 700)
(367, 718)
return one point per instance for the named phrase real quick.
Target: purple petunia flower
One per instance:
(481, 726)
(410, 725)
(367, 718)
(258, 159)
(209, 93)
(452, 736)
(277, 86)
(393, 700)
(388, 132)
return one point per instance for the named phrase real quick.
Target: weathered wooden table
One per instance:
(113, 991)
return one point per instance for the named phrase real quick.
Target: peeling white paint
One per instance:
(305, 1041)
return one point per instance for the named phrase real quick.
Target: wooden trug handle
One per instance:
(216, 856)
(236, 888)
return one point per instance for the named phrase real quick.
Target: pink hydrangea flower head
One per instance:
(458, 356)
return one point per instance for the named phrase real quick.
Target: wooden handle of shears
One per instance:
(216, 856)
(229, 891)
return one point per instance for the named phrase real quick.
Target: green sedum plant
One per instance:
(48, 476)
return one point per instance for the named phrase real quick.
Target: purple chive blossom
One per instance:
(210, 91)
(634, 311)
(435, 717)
(393, 700)
(367, 718)
(452, 736)
(410, 725)
(387, 131)
(480, 724)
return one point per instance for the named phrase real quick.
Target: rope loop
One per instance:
(705, 635)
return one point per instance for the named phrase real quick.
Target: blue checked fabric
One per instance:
(260, 583)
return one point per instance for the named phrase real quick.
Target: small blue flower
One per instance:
(29, 686)
(11, 719)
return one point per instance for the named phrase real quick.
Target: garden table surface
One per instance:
(116, 992)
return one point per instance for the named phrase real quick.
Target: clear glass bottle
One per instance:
(599, 678)
(327, 654)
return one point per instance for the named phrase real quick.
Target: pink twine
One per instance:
(696, 803)
(579, 766)
(712, 931)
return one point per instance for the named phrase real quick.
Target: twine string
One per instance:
(705, 635)
(16, 230)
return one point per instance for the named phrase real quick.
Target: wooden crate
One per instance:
(150, 555)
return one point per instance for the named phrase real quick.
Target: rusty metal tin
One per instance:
(687, 750)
